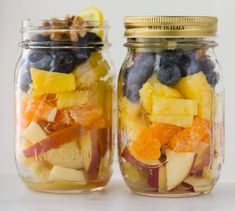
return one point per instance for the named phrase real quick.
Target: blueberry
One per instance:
(25, 81)
(207, 65)
(132, 93)
(212, 78)
(91, 40)
(41, 59)
(138, 74)
(170, 56)
(188, 64)
(82, 55)
(64, 60)
(169, 74)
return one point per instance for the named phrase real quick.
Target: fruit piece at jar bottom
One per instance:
(198, 184)
(178, 167)
(55, 140)
(61, 173)
(131, 172)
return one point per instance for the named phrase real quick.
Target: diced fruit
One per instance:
(59, 173)
(199, 184)
(105, 170)
(180, 121)
(138, 164)
(203, 157)
(41, 59)
(164, 132)
(146, 147)
(91, 156)
(55, 140)
(212, 171)
(170, 56)
(37, 109)
(131, 172)
(68, 155)
(34, 133)
(174, 107)
(132, 125)
(169, 74)
(162, 185)
(51, 82)
(86, 114)
(196, 87)
(137, 75)
(179, 167)
(188, 138)
(69, 99)
(154, 88)
(153, 178)
(102, 69)
(129, 108)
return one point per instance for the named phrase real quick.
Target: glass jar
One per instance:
(170, 106)
(64, 94)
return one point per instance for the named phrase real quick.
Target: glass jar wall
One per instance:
(170, 107)
(64, 94)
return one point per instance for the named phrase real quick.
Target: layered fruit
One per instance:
(166, 120)
(64, 107)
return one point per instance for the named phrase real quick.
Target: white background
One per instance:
(13, 11)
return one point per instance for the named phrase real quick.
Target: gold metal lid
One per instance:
(170, 26)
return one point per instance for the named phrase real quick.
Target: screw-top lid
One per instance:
(170, 26)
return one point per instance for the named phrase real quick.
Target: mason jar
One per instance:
(64, 94)
(170, 106)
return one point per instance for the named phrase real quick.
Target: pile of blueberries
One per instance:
(169, 65)
(54, 58)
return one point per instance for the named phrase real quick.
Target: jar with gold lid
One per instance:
(170, 106)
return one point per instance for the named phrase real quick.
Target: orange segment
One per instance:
(86, 114)
(164, 132)
(146, 147)
(188, 138)
(37, 109)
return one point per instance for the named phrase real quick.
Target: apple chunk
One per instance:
(55, 140)
(203, 157)
(198, 184)
(178, 167)
(131, 159)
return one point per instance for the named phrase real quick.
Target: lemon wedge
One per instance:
(92, 14)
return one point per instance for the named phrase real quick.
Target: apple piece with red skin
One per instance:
(153, 178)
(179, 167)
(55, 140)
(126, 154)
(198, 184)
(203, 158)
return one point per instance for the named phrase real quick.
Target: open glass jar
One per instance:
(64, 94)
(170, 106)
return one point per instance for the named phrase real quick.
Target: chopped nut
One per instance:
(60, 36)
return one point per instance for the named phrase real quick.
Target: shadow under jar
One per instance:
(64, 94)
(170, 107)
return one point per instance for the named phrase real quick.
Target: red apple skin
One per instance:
(93, 169)
(203, 160)
(55, 140)
(186, 187)
(153, 178)
(132, 160)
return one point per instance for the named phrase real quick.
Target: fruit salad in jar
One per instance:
(170, 113)
(64, 93)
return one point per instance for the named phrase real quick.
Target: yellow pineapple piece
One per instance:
(51, 82)
(196, 87)
(154, 88)
(130, 108)
(69, 99)
(180, 121)
(178, 107)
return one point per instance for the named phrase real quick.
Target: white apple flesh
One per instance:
(199, 184)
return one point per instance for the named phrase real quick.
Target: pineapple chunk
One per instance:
(68, 155)
(51, 82)
(128, 107)
(171, 107)
(34, 133)
(67, 174)
(180, 121)
(154, 88)
(196, 87)
(69, 99)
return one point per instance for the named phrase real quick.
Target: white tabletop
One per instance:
(14, 196)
